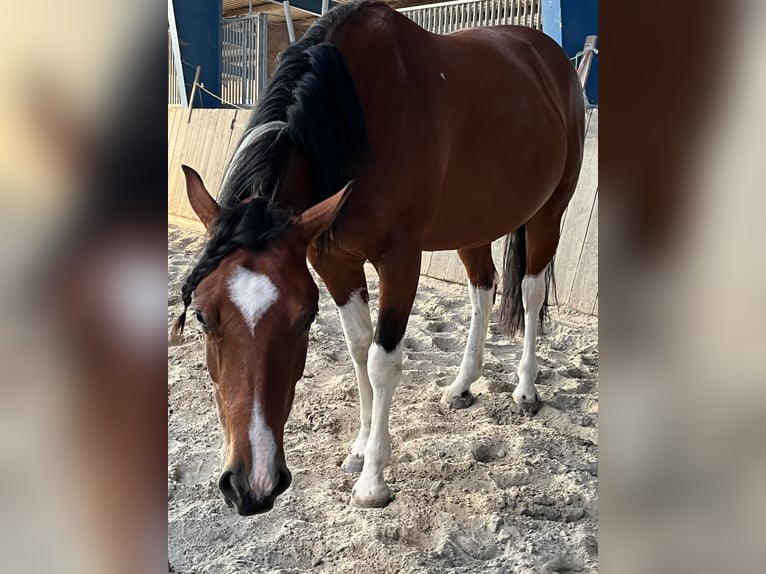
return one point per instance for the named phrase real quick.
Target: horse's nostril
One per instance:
(229, 485)
(284, 478)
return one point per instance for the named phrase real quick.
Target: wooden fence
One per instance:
(205, 143)
(209, 139)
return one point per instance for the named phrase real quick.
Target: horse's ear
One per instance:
(200, 199)
(319, 218)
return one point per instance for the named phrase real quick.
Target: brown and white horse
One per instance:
(451, 142)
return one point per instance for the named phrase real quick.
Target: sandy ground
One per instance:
(478, 490)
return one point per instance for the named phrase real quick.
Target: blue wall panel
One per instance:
(199, 34)
(568, 22)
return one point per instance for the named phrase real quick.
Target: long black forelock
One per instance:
(250, 225)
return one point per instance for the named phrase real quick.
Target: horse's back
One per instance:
(510, 112)
(524, 65)
(470, 126)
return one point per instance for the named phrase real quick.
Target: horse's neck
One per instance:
(294, 191)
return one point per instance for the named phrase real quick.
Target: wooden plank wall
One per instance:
(207, 142)
(204, 143)
(577, 255)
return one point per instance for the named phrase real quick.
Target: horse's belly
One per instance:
(471, 224)
(483, 201)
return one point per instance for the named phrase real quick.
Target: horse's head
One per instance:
(256, 300)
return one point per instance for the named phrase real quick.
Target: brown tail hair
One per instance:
(514, 269)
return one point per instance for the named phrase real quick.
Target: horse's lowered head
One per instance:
(256, 300)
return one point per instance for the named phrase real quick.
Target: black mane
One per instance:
(310, 103)
(313, 94)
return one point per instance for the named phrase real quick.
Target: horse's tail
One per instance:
(514, 269)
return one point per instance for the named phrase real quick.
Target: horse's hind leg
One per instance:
(482, 284)
(348, 287)
(533, 297)
(542, 238)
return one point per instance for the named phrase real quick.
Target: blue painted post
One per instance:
(550, 12)
(568, 22)
(199, 35)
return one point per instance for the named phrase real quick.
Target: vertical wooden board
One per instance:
(176, 178)
(194, 152)
(577, 215)
(588, 115)
(174, 127)
(235, 131)
(174, 123)
(185, 155)
(498, 252)
(240, 123)
(425, 261)
(174, 170)
(585, 284)
(207, 140)
(446, 265)
(171, 137)
(189, 154)
(218, 155)
(440, 266)
(172, 131)
(437, 264)
(218, 133)
(194, 143)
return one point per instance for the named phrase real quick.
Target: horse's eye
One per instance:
(201, 320)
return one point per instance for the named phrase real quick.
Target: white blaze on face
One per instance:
(252, 293)
(264, 448)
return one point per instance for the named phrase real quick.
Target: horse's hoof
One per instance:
(353, 463)
(462, 401)
(527, 407)
(375, 497)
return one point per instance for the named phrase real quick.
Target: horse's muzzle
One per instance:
(237, 491)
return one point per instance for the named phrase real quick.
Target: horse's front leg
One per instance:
(346, 282)
(399, 273)
(357, 327)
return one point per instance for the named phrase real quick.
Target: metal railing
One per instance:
(244, 40)
(174, 97)
(448, 17)
(244, 60)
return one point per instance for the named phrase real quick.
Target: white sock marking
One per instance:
(385, 371)
(473, 359)
(253, 293)
(533, 296)
(357, 327)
